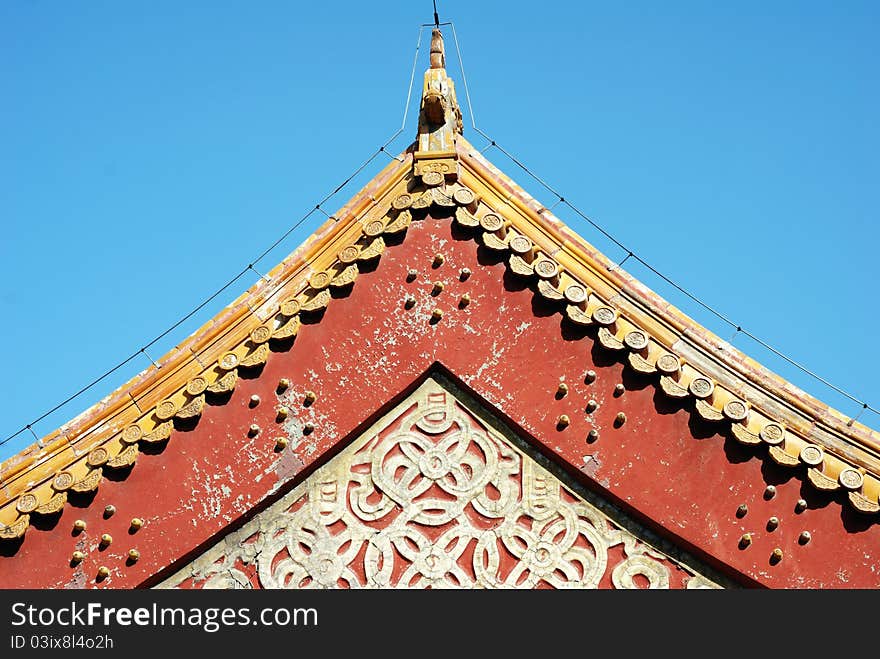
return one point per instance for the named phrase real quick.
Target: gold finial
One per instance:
(439, 119)
(438, 56)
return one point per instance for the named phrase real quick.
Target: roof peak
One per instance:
(438, 55)
(439, 117)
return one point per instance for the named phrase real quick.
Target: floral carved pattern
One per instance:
(431, 497)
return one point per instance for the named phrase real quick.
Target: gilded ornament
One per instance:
(491, 222)
(432, 179)
(260, 334)
(258, 356)
(668, 363)
(348, 254)
(227, 361)
(772, 434)
(196, 386)
(701, 387)
(374, 228)
(464, 197)
(636, 340)
(546, 268)
(132, 433)
(575, 294)
(97, 457)
(402, 202)
(735, 410)
(812, 455)
(290, 307)
(521, 245)
(850, 478)
(604, 315)
(63, 481)
(27, 503)
(320, 280)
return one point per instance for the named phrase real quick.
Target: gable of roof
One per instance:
(717, 390)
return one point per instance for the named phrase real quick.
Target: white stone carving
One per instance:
(432, 497)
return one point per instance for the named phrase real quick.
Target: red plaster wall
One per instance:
(672, 471)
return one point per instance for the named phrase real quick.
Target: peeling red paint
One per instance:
(675, 473)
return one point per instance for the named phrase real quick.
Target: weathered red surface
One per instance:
(672, 471)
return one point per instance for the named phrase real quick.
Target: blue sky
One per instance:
(152, 150)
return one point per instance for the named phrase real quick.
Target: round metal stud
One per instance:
(620, 419)
(254, 401)
(411, 275)
(282, 413)
(590, 376)
(106, 539)
(109, 511)
(438, 287)
(464, 300)
(800, 506)
(464, 273)
(77, 557)
(772, 523)
(438, 259)
(745, 540)
(136, 523)
(770, 492)
(563, 421)
(310, 397)
(308, 428)
(409, 302)
(436, 315)
(742, 511)
(593, 435)
(79, 526)
(562, 389)
(133, 555)
(103, 572)
(283, 384)
(281, 442)
(591, 406)
(254, 430)
(804, 537)
(619, 389)
(776, 556)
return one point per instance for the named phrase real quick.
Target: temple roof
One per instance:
(442, 175)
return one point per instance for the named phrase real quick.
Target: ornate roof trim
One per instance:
(444, 171)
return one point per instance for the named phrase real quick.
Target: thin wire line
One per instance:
(249, 267)
(634, 255)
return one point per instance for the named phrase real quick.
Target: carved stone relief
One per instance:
(431, 496)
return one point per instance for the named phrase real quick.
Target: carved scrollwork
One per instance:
(432, 499)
